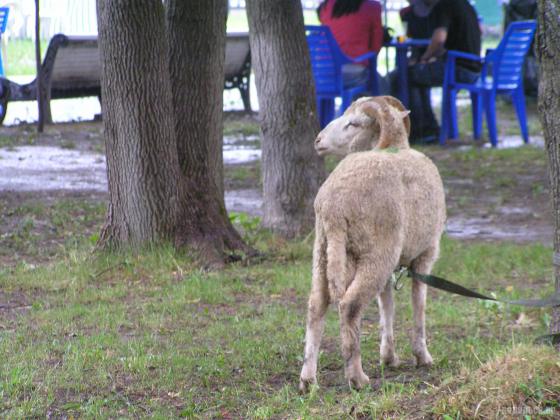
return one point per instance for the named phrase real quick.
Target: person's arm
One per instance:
(436, 47)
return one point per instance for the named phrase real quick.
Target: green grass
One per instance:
(20, 57)
(149, 335)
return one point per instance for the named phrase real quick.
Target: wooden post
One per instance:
(40, 97)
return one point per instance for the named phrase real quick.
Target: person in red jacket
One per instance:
(356, 26)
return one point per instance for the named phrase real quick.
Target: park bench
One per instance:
(238, 66)
(71, 69)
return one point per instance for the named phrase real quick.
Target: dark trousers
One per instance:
(421, 77)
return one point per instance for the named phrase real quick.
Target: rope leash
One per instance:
(450, 287)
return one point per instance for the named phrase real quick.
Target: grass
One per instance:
(149, 335)
(20, 57)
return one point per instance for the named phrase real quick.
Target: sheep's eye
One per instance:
(351, 124)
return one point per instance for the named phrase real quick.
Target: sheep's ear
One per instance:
(371, 110)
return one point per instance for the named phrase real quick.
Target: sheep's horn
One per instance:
(395, 103)
(374, 108)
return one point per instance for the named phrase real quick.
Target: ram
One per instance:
(382, 207)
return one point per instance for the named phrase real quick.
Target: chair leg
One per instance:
(490, 108)
(346, 101)
(326, 111)
(519, 102)
(477, 107)
(444, 128)
(453, 128)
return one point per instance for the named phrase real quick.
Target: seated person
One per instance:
(419, 23)
(456, 28)
(356, 26)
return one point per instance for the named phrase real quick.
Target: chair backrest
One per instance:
(326, 59)
(4, 11)
(510, 54)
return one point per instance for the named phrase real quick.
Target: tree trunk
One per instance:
(196, 32)
(142, 164)
(292, 172)
(548, 51)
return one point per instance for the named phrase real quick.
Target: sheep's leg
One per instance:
(350, 308)
(317, 307)
(422, 265)
(386, 316)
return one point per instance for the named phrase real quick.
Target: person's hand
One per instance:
(412, 61)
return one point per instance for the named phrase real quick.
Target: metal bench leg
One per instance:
(246, 98)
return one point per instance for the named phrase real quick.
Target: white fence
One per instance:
(78, 17)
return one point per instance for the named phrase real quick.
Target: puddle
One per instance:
(507, 142)
(34, 168)
(244, 154)
(244, 201)
(38, 168)
(42, 168)
(510, 142)
(487, 228)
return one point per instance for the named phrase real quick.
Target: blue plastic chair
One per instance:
(4, 11)
(505, 77)
(326, 61)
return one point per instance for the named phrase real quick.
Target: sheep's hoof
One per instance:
(392, 361)
(306, 384)
(424, 359)
(357, 382)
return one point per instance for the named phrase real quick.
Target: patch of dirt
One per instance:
(36, 225)
(12, 305)
(491, 198)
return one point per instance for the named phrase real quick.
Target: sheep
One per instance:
(378, 210)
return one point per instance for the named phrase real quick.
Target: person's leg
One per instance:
(465, 76)
(354, 75)
(421, 77)
(430, 126)
(416, 106)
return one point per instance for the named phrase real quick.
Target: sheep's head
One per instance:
(373, 122)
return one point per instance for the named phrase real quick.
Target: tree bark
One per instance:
(142, 163)
(196, 31)
(39, 78)
(291, 170)
(548, 52)
(197, 37)
(162, 90)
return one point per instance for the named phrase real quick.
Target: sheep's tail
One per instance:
(336, 264)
